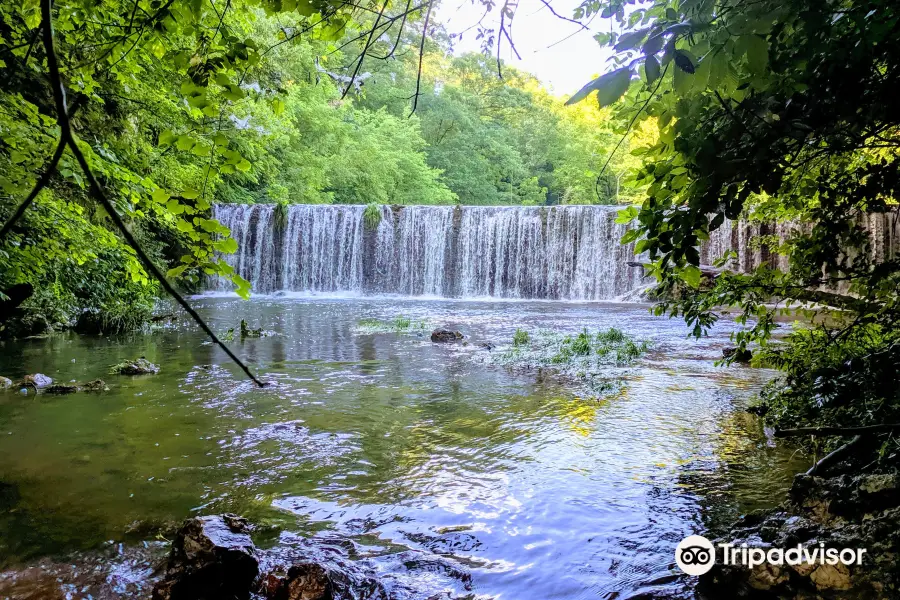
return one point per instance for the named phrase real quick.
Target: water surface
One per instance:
(515, 484)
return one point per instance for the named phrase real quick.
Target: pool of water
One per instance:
(395, 444)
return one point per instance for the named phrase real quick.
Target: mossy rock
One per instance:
(141, 366)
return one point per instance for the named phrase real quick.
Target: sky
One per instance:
(562, 61)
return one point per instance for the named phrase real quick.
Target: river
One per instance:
(512, 482)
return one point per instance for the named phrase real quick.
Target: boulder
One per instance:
(37, 380)
(212, 558)
(141, 366)
(304, 581)
(445, 335)
(5, 382)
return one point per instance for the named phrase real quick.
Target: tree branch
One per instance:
(67, 138)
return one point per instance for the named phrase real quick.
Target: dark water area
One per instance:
(511, 482)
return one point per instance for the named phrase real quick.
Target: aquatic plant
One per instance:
(372, 215)
(593, 359)
(400, 324)
(520, 338)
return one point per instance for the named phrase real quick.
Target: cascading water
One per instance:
(559, 252)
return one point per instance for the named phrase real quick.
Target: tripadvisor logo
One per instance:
(696, 555)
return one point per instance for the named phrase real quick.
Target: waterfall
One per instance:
(558, 252)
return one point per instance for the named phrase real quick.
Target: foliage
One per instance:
(372, 216)
(774, 111)
(178, 105)
(833, 379)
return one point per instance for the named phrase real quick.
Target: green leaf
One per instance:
(683, 61)
(243, 165)
(627, 215)
(691, 275)
(173, 207)
(631, 39)
(227, 246)
(201, 150)
(651, 69)
(185, 142)
(176, 271)
(609, 87)
(167, 137)
(757, 54)
(189, 193)
(684, 82)
(160, 195)
(630, 236)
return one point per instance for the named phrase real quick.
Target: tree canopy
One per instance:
(777, 111)
(177, 105)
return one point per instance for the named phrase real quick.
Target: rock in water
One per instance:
(97, 385)
(304, 581)
(62, 388)
(741, 356)
(38, 380)
(5, 382)
(445, 335)
(141, 366)
(212, 558)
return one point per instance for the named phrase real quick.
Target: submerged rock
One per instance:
(445, 335)
(61, 388)
(37, 380)
(141, 366)
(212, 558)
(97, 385)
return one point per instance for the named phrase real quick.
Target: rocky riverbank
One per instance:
(215, 558)
(860, 511)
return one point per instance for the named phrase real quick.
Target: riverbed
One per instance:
(516, 483)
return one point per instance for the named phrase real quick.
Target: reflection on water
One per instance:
(395, 443)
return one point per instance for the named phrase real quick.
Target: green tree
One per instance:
(778, 111)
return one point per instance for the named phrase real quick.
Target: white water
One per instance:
(559, 252)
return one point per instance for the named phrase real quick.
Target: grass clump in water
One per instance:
(400, 324)
(520, 338)
(591, 358)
